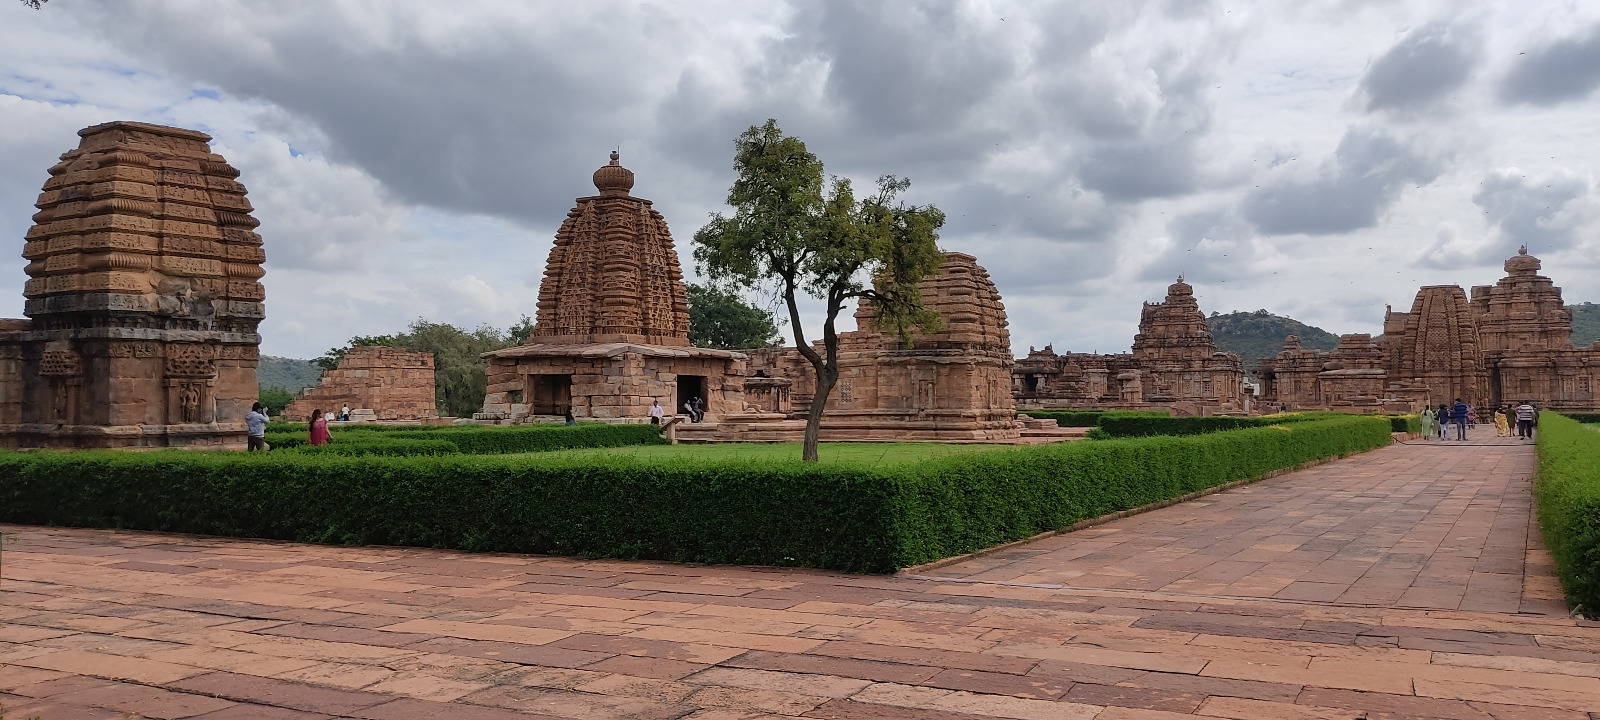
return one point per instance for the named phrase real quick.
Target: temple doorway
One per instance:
(552, 394)
(690, 387)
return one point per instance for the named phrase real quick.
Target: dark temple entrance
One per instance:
(552, 394)
(689, 388)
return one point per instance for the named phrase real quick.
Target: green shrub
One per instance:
(1085, 418)
(856, 518)
(399, 447)
(1589, 418)
(486, 439)
(1410, 424)
(1146, 426)
(1567, 494)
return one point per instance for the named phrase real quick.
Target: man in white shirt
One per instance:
(255, 423)
(1525, 416)
(656, 413)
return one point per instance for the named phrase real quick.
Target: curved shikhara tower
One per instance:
(612, 331)
(613, 274)
(143, 298)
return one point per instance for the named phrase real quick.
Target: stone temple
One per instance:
(1174, 365)
(954, 384)
(612, 330)
(377, 383)
(142, 301)
(1511, 342)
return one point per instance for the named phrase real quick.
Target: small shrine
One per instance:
(612, 331)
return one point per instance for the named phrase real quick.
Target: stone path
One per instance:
(100, 624)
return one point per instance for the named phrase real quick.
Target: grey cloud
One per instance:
(1567, 69)
(1365, 177)
(1209, 246)
(1424, 66)
(1533, 211)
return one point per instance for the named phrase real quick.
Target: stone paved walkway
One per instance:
(100, 624)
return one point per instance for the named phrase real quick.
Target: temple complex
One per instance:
(394, 384)
(953, 384)
(612, 330)
(1511, 342)
(142, 301)
(1174, 365)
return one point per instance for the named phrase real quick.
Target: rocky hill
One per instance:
(1260, 334)
(1585, 324)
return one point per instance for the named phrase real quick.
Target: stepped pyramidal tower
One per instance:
(612, 331)
(142, 302)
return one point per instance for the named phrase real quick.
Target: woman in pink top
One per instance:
(319, 428)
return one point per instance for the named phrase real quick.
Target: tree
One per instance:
(275, 398)
(721, 319)
(792, 231)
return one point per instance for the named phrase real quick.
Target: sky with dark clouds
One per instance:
(1318, 159)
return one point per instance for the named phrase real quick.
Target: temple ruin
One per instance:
(1174, 365)
(1511, 342)
(612, 330)
(953, 384)
(392, 383)
(142, 302)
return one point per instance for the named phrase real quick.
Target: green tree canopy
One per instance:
(795, 232)
(721, 319)
(459, 371)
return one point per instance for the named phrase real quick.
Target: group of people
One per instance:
(694, 407)
(1463, 416)
(255, 424)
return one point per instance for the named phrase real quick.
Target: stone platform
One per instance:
(1402, 583)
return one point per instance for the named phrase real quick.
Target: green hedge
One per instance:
(1085, 418)
(1567, 493)
(1410, 424)
(1588, 418)
(397, 447)
(487, 440)
(1130, 427)
(839, 516)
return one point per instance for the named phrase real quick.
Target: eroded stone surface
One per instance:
(143, 298)
(394, 383)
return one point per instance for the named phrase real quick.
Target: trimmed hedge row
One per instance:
(839, 516)
(1587, 418)
(1085, 418)
(1130, 427)
(1567, 494)
(489, 440)
(360, 448)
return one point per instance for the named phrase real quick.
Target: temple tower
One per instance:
(1437, 344)
(143, 298)
(1522, 310)
(1174, 330)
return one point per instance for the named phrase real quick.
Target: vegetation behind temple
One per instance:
(1260, 334)
(1585, 324)
(854, 517)
(1567, 495)
(717, 319)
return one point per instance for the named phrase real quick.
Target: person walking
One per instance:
(1458, 415)
(319, 429)
(656, 413)
(1425, 421)
(255, 424)
(1501, 427)
(1525, 417)
(1443, 416)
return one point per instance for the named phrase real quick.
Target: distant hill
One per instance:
(1585, 323)
(1260, 334)
(288, 373)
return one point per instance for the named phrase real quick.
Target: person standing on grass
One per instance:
(319, 429)
(1458, 415)
(1525, 415)
(255, 423)
(656, 413)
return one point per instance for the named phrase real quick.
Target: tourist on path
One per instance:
(1425, 418)
(1443, 416)
(1458, 415)
(344, 414)
(1501, 428)
(319, 428)
(1526, 414)
(656, 413)
(255, 423)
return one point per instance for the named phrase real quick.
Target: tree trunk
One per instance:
(826, 377)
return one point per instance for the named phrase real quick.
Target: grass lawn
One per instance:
(870, 454)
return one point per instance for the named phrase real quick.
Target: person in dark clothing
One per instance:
(1458, 415)
(1444, 422)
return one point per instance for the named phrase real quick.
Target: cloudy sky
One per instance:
(1318, 159)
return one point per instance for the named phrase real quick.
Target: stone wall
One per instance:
(394, 383)
(143, 299)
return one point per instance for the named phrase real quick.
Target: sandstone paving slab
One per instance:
(1181, 624)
